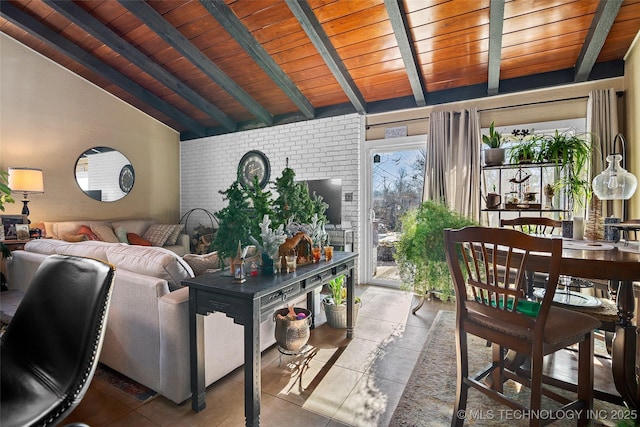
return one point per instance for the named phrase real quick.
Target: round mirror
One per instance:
(104, 174)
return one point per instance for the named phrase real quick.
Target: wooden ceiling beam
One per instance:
(405, 43)
(176, 40)
(597, 35)
(70, 49)
(496, 19)
(312, 27)
(230, 22)
(84, 20)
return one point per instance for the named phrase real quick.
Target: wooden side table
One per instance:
(13, 245)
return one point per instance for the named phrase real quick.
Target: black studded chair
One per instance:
(50, 349)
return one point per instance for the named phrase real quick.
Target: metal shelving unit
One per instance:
(522, 179)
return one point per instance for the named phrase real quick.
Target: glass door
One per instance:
(394, 181)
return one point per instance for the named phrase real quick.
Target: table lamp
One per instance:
(26, 181)
(615, 182)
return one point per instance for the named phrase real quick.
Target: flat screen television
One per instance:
(331, 192)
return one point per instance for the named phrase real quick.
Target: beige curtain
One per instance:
(452, 172)
(602, 125)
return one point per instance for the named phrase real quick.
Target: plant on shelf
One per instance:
(571, 153)
(494, 154)
(335, 304)
(526, 150)
(420, 252)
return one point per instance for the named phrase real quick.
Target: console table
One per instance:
(250, 303)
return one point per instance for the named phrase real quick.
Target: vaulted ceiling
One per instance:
(207, 67)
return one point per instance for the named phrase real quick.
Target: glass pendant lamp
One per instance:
(615, 182)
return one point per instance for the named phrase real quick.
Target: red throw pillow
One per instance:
(87, 231)
(134, 239)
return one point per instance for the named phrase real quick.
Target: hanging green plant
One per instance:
(571, 153)
(420, 252)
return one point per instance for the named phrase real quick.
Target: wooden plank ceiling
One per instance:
(206, 67)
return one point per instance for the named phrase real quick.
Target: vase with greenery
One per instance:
(269, 244)
(420, 252)
(493, 154)
(335, 304)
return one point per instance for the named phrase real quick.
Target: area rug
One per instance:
(126, 385)
(430, 392)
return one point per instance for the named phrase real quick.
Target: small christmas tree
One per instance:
(294, 204)
(235, 222)
(270, 240)
(262, 205)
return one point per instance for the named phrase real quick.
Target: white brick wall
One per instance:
(317, 149)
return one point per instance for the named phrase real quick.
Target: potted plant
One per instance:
(494, 154)
(335, 304)
(526, 151)
(571, 153)
(5, 197)
(420, 252)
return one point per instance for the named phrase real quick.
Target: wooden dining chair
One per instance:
(533, 225)
(488, 269)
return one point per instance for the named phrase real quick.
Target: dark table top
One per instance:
(257, 286)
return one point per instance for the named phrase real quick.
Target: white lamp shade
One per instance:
(614, 183)
(26, 180)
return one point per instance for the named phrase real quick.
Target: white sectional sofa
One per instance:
(108, 231)
(147, 337)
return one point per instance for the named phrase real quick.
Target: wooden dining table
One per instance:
(619, 263)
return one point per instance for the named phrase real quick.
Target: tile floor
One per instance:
(354, 382)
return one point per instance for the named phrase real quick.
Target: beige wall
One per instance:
(49, 116)
(632, 122)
